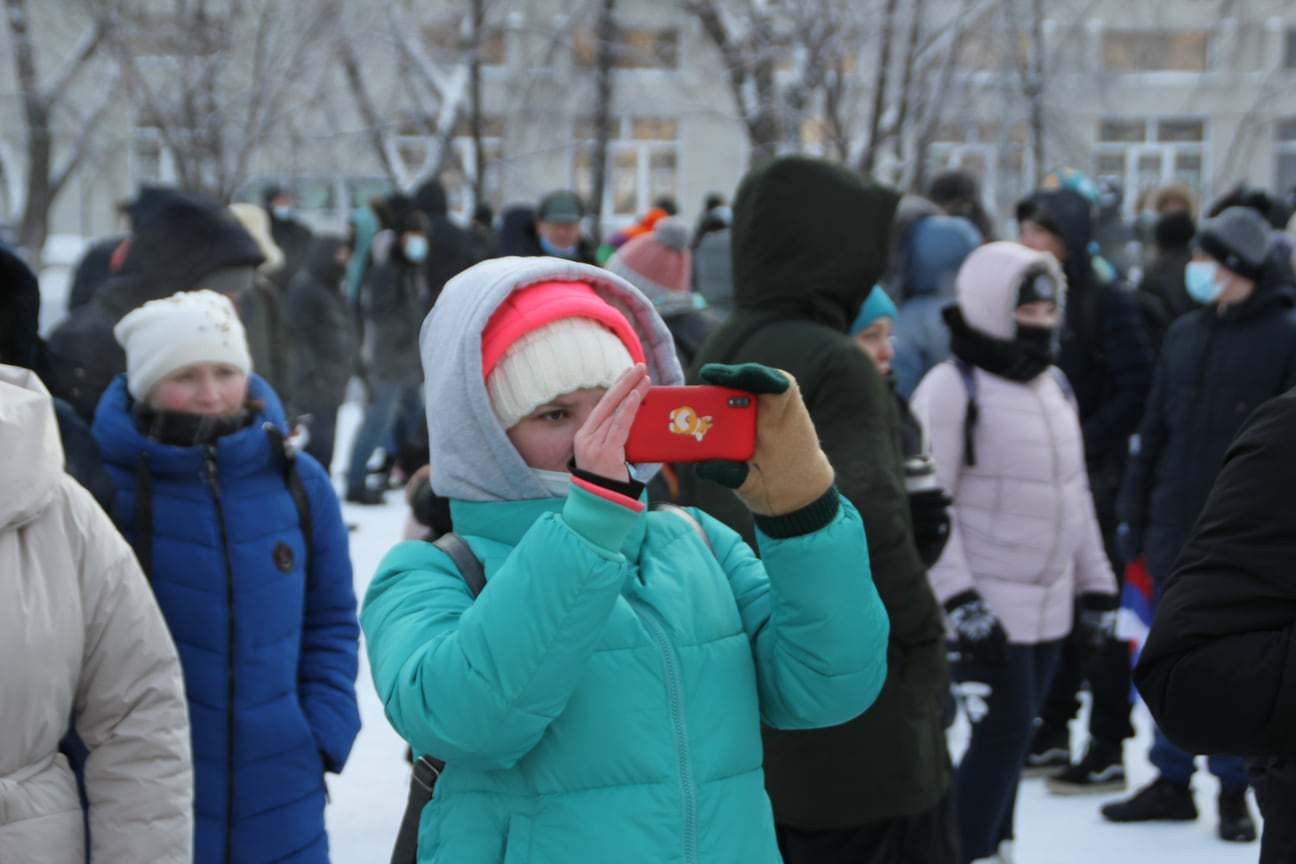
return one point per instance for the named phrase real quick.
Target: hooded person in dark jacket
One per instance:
(516, 224)
(809, 242)
(21, 345)
(1105, 354)
(291, 236)
(1163, 278)
(1218, 364)
(450, 248)
(187, 242)
(1229, 606)
(319, 321)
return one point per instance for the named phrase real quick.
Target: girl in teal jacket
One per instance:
(601, 700)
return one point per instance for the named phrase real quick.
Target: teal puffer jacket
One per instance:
(602, 699)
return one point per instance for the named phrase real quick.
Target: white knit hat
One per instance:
(560, 357)
(177, 331)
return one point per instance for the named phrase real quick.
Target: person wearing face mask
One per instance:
(1024, 548)
(290, 235)
(556, 231)
(243, 544)
(601, 698)
(394, 298)
(1218, 364)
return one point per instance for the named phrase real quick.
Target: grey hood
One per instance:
(472, 458)
(31, 452)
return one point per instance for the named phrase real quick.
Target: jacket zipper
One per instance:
(676, 694)
(229, 695)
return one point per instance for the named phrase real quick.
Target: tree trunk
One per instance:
(475, 102)
(1035, 88)
(906, 80)
(763, 126)
(880, 87)
(606, 34)
(364, 104)
(36, 112)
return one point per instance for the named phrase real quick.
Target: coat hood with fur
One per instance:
(31, 455)
(987, 285)
(472, 458)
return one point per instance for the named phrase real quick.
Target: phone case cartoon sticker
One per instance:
(685, 421)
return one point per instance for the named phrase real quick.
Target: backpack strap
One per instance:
(694, 523)
(292, 479)
(428, 768)
(973, 412)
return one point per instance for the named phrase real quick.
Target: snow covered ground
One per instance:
(368, 799)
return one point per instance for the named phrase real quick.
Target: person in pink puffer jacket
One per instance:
(1024, 542)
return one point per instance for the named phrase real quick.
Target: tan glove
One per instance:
(788, 470)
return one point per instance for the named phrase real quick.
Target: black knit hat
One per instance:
(1239, 239)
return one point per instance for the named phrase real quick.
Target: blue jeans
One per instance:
(1177, 766)
(392, 400)
(1008, 699)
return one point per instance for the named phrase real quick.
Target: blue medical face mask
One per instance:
(557, 251)
(283, 214)
(416, 249)
(1200, 278)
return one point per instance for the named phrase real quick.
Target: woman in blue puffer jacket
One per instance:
(245, 548)
(601, 699)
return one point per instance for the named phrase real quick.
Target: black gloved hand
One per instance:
(931, 523)
(1096, 620)
(981, 638)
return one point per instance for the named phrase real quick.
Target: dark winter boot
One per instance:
(1235, 822)
(1101, 770)
(1159, 801)
(363, 495)
(1050, 751)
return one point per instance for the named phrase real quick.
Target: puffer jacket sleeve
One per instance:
(940, 404)
(479, 682)
(1216, 670)
(330, 632)
(130, 706)
(817, 626)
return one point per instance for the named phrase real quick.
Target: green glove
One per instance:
(788, 470)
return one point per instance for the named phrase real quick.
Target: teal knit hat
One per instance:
(878, 305)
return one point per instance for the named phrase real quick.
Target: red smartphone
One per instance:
(693, 424)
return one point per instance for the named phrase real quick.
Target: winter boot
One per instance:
(1050, 751)
(1158, 801)
(363, 495)
(1235, 822)
(1101, 770)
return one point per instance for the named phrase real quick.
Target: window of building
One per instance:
(1156, 50)
(451, 39)
(1289, 52)
(151, 162)
(1142, 154)
(994, 152)
(636, 48)
(994, 50)
(1285, 155)
(643, 165)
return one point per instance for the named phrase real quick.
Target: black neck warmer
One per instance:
(178, 429)
(1024, 359)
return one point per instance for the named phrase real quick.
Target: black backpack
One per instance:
(428, 768)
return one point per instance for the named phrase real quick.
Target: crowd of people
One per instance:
(967, 451)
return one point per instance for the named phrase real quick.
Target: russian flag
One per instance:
(1138, 602)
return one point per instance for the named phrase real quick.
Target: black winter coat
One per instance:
(690, 329)
(1216, 670)
(809, 242)
(1214, 371)
(93, 270)
(319, 322)
(451, 249)
(393, 304)
(1163, 278)
(294, 241)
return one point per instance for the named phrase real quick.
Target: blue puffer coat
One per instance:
(271, 686)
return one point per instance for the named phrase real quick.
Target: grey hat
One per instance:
(560, 206)
(1239, 239)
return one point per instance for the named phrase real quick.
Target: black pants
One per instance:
(930, 837)
(1107, 670)
(1001, 702)
(323, 432)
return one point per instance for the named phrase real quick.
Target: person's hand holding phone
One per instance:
(599, 444)
(788, 470)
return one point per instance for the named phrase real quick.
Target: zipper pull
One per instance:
(210, 464)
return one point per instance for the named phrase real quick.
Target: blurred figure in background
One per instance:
(290, 235)
(262, 311)
(958, 193)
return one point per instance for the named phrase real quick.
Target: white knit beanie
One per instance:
(177, 331)
(560, 357)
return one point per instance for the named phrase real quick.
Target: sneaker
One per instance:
(1050, 751)
(1101, 770)
(1158, 801)
(363, 495)
(1235, 822)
